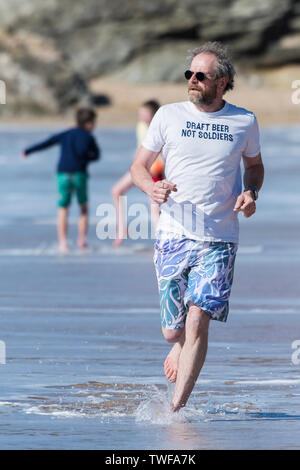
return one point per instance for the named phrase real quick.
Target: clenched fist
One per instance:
(161, 191)
(245, 203)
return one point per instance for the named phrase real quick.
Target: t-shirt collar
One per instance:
(196, 111)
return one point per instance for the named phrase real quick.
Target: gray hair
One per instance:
(224, 67)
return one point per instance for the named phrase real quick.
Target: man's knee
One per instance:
(172, 336)
(197, 320)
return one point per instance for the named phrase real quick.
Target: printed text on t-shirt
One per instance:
(204, 130)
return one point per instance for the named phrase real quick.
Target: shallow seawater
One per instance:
(84, 351)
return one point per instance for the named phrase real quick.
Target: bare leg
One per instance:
(62, 228)
(82, 226)
(121, 187)
(192, 355)
(172, 359)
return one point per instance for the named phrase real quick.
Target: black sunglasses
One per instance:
(199, 75)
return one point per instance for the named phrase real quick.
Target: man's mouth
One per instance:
(194, 89)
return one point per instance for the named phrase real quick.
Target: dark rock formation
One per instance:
(49, 50)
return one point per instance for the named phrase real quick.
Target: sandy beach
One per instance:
(84, 351)
(268, 94)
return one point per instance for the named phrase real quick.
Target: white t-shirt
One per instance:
(202, 153)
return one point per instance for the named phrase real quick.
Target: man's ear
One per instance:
(222, 82)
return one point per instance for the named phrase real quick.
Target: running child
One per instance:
(145, 115)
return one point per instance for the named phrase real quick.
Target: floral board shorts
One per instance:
(192, 270)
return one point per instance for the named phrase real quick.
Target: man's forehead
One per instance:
(204, 62)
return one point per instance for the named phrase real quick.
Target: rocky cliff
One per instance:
(50, 49)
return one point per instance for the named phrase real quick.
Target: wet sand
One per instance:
(85, 354)
(84, 348)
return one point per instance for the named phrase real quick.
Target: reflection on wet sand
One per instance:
(84, 347)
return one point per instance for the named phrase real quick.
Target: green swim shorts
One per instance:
(67, 183)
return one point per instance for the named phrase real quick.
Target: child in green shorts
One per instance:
(77, 149)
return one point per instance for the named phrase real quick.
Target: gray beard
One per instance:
(203, 99)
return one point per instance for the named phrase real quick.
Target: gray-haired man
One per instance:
(203, 142)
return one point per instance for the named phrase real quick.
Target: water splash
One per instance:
(157, 410)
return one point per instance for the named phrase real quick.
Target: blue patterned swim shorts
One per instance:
(192, 270)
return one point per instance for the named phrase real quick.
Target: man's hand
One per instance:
(245, 203)
(161, 191)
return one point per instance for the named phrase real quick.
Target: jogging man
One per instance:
(78, 149)
(203, 142)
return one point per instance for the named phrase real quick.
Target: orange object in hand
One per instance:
(157, 168)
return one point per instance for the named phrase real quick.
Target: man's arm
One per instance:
(140, 172)
(53, 140)
(254, 171)
(253, 176)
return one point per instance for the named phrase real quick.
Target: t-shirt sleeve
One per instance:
(252, 147)
(53, 140)
(155, 138)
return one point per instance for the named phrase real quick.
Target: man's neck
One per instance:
(217, 105)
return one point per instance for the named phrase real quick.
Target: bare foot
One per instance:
(120, 238)
(82, 244)
(175, 409)
(171, 362)
(117, 241)
(63, 248)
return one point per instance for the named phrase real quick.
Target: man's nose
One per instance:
(193, 78)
